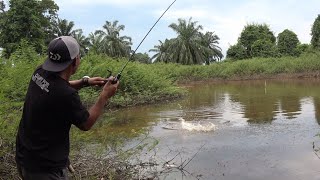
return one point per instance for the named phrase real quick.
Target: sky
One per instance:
(226, 18)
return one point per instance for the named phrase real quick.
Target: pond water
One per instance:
(244, 130)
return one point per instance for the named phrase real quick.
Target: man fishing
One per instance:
(52, 105)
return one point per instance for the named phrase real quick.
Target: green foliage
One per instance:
(18, 70)
(95, 43)
(252, 33)
(258, 67)
(2, 16)
(112, 44)
(263, 48)
(303, 48)
(10, 116)
(189, 47)
(236, 52)
(15, 74)
(315, 33)
(82, 40)
(142, 57)
(26, 19)
(210, 40)
(288, 43)
(138, 83)
(63, 27)
(162, 52)
(2, 6)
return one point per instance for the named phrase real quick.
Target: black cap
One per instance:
(61, 52)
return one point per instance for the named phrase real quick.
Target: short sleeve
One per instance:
(77, 113)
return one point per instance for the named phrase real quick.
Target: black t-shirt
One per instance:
(50, 107)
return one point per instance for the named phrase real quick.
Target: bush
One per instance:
(139, 83)
(237, 52)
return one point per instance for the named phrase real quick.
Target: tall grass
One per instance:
(138, 83)
(264, 67)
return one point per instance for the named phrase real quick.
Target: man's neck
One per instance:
(65, 74)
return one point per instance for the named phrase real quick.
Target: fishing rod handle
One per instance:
(115, 80)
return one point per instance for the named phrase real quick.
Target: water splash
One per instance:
(197, 126)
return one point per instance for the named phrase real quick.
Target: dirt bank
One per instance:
(281, 76)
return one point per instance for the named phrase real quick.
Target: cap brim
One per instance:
(49, 65)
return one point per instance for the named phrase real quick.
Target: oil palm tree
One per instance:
(161, 51)
(96, 43)
(114, 44)
(64, 27)
(210, 40)
(82, 40)
(187, 48)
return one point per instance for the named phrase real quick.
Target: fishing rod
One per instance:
(134, 52)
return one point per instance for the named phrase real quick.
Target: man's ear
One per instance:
(74, 63)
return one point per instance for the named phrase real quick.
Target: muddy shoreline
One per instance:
(281, 76)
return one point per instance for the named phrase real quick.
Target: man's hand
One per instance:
(110, 88)
(96, 81)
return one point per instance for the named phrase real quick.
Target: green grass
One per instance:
(265, 67)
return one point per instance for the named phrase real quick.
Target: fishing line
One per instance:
(134, 52)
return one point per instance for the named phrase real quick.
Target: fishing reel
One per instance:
(115, 80)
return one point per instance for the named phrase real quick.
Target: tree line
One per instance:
(37, 22)
(257, 40)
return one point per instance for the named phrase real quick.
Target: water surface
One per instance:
(244, 130)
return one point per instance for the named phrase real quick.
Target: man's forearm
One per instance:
(76, 84)
(95, 111)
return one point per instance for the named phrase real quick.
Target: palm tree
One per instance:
(64, 27)
(187, 48)
(210, 40)
(114, 44)
(96, 43)
(82, 40)
(162, 53)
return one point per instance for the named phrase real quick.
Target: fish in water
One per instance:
(189, 126)
(197, 126)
